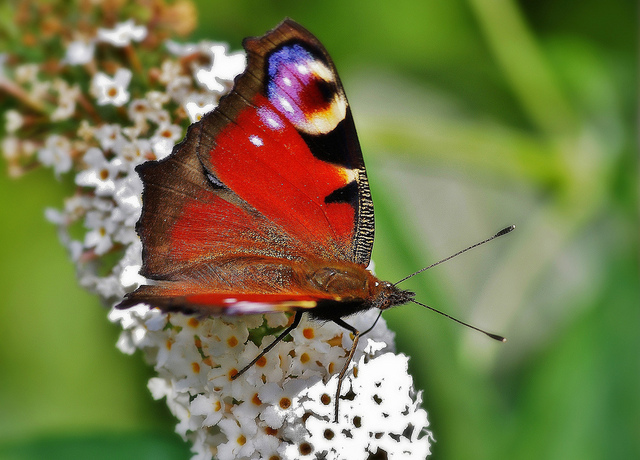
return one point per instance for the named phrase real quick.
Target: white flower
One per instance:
(122, 34)
(314, 334)
(110, 137)
(56, 153)
(15, 120)
(223, 67)
(130, 277)
(101, 173)
(101, 227)
(85, 131)
(127, 195)
(169, 71)
(135, 152)
(138, 111)
(109, 90)
(240, 440)
(209, 406)
(77, 206)
(66, 103)
(160, 117)
(272, 367)
(384, 416)
(79, 52)
(157, 99)
(181, 49)
(197, 105)
(27, 73)
(164, 139)
(54, 216)
(180, 88)
(281, 400)
(10, 146)
(107, 287)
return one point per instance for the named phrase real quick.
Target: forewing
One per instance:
(284, 141)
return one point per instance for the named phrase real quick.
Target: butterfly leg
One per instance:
(294, 324)
(343, 372)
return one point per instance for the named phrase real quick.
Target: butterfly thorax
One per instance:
(353, 289)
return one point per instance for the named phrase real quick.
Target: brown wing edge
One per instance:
(183, 170)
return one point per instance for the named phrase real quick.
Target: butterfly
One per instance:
(265, 205)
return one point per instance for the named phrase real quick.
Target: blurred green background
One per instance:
(472, 115)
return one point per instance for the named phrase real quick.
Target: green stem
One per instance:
(20, 94)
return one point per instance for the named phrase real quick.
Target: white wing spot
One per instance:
(273, 123)
(303, 69)
(255, 140)
(285, 104)
(322, 71)
(286, 81)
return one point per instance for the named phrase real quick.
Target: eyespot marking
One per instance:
(304, 89)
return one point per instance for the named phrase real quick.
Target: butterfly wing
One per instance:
(271, 179)
(285, 141)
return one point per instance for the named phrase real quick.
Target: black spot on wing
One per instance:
(340, 146)
(327, 90)
(347, 194)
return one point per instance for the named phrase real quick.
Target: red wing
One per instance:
(188, 223)
(284, 141)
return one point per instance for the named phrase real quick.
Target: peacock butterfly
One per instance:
(265, 205)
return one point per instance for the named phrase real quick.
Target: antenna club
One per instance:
(497, 337)
(504, 231)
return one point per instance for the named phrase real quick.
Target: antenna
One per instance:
(502, 232)
(497, 337)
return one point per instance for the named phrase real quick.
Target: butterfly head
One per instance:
(389, 295)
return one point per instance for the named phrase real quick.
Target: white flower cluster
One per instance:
(109, 201)
(282, 407)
